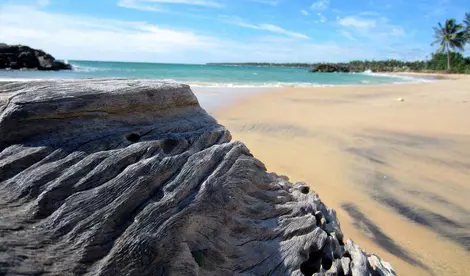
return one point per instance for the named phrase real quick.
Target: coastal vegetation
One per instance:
(450, 39)
(437, 63)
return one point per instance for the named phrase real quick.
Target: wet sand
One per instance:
(397, 172)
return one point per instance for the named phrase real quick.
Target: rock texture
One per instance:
(24, 57)
(127, 177)
(330, 68)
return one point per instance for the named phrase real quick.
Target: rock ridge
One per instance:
(133, 177)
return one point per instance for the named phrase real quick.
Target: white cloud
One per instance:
(269, 2)
(304, 12)
(44, 3)
(322, 17)
(204, 3)
(348, 35)
(371, 28)
(320, 5)
(357, 22)
(369, 13)
(407, 51)
(91, 38)
(238, 21)
(158, 5)
(80, 37)
(132, 4)
(397, 31)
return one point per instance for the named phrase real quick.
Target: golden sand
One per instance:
(397, 172)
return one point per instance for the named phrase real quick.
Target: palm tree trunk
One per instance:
(448, 61)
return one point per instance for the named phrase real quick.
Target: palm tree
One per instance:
(449, 37)
(467, 23)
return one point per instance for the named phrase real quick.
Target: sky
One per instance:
(200, 31)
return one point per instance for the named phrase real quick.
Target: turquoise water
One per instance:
(210, 75)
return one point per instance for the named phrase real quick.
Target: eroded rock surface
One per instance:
(127, 177)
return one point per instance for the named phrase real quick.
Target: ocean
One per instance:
(214, 85)
(210, 75)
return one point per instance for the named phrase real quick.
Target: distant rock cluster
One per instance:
(133, 177)
(16, 57)
(352, 68)
(330, 68)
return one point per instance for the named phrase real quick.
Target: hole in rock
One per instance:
(326, 263)
(318, 218)
(169, 145)
(304, 189)
(313, 264)
(341, 242)
(133, 137)
(199, 256)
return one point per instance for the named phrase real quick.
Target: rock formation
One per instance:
(24, 57)
(330, 68)
(133, 177)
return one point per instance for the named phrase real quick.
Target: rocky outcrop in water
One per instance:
(127, 177)
(24, 57)
(330, 68)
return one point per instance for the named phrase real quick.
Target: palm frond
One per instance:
(451, 35)
(467, 19)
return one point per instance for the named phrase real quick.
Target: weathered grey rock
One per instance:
(363, 264)
(127, 177)
(359, 265)
(382, 268)
(345, 264)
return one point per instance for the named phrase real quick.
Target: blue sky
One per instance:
(199, 31)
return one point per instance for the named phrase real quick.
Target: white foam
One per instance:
(78, 68)
(18, 79)
(89, 69)
(255, 85)
(405, 79)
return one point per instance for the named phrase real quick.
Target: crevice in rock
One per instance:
(326, 262)
(169, 145)
(313, 264)
(133, 137)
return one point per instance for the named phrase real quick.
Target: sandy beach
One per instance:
(396, 171)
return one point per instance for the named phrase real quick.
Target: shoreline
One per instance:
(323, 80)
(436, 75)
(396, 171)
(229, 85)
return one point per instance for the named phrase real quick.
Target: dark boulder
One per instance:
(329, 68)
(5, 48)
(3, 62)
(24, 57)
(60, 65)
(15, 65)
(27, 59)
